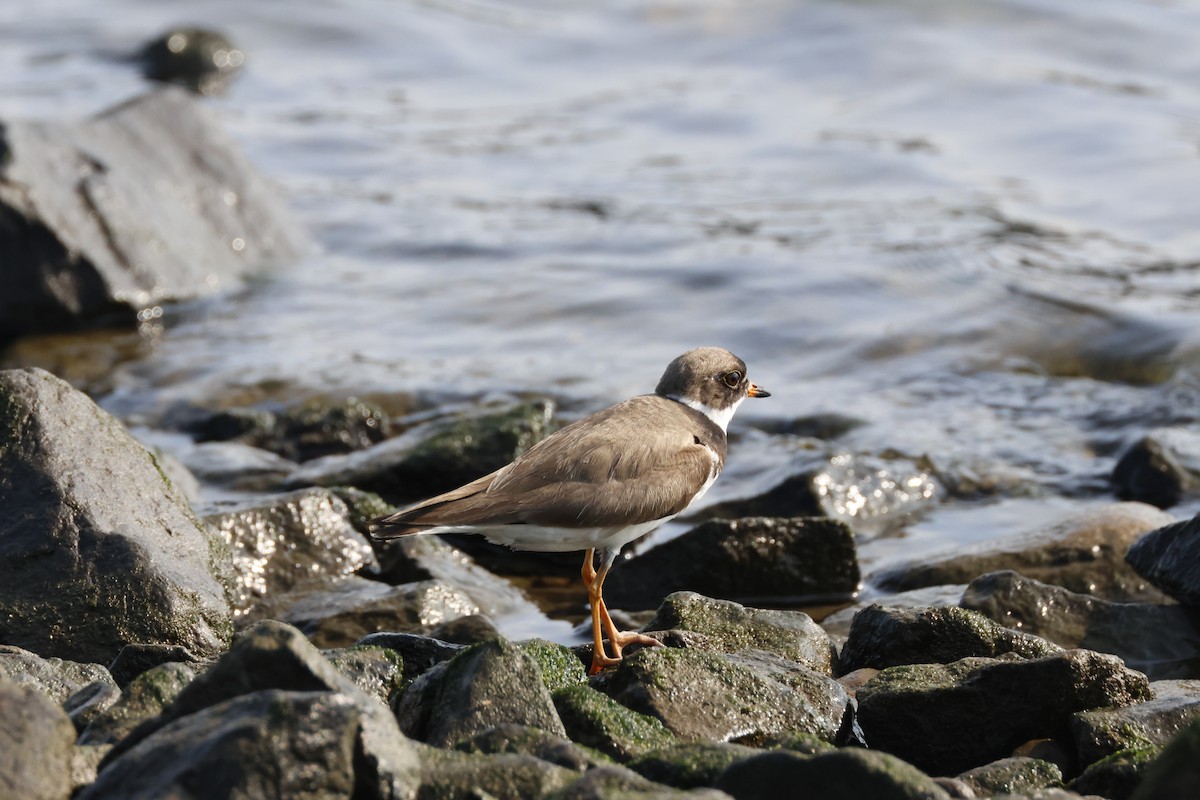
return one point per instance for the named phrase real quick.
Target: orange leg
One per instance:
(594, 581)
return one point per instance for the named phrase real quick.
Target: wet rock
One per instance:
(521, 739)
(274, 656)
(1170, 559)
(91, 701)
(418, 653)
(1084, 553)
(752, 560)
(886, 637)
(838, 623)
(1161, 640)
(134, 659)
(435, 457)
(378, 671)
(144, 698)
(611, 781)
(55, 678)
(1115, 777)
(1150, 724)
(299, 744)
(490, 684)
(237, 466)
(1175, 773)
(291, 540)
(450, 775)
(701, 696)
(1016, 775)
(948, 718)
(145, 203)
(867, 491)
(471, 629)
(343, 612)
(601, 723)
(730, 627)
(36, 743)
(847, 774)
(690, 765)
(199, 59)
(100, 550)
(1160, 468)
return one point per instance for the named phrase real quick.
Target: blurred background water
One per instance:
(974, 226)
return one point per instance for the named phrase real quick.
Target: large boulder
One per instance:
(141, 204)
(1170, 559)
(97, 548)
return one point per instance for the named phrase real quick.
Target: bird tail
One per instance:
(424, 517)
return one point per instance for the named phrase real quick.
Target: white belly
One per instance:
(556, 540)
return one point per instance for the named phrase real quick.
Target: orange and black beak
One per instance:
(757, 391)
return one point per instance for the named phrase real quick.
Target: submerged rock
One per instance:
(751, 560)
(887, 637)
(199, 59)
(1161, 640)
(1084, 553)
(1149, 724)
(1170, 559)
(1160, 468)
(847, 774)
(100, 549)
(36, 744)
(144, 203)
(947, 718)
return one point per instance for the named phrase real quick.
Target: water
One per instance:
(970, 225)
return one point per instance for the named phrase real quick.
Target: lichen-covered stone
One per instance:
(597, 721)
(378, 671)
(690, 765)
(560, 667)
(451, 775)
(521, 739)
(36, 743)
(847, 774)
(1118, 776)
(1015, 775)
(1152, 723)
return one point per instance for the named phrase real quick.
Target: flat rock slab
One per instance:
(1170, 559)
(97, 548)
(141, 204)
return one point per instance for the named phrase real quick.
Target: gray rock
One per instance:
(56, 678)
(521, 739)
(690, 765)
(756, 559)
(85, 764)
(947, 718)
(1161, 640)
(144, 698)
(264, 744)
(418, 653)
(838, 623)
(1084, 552)
(611, 781)
(468, 630)
(490, 684)
(1175, 773)
(1170, 559)
(451, 775)
(101, 550)
(730, 627)
(701, 696)
(290, 540)
(887, 637)
(849, 774)
(144, 203)
(341, 613)
(1160, 468)
(1150, 724)
(36, 743)
(378, 671)
(1015, 775)
(601, 723)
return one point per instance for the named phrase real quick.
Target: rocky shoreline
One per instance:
(269, 649)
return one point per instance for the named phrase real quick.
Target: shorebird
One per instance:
(601, 482)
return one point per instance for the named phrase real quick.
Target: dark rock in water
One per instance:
(949, 718)
(1118, 776)
(1015, 775)
(53, 677)
(1160, 468)
(272, 655)
(419, 653)
(1161, 640)
(863, 490)
(887, 637)
(848, 774)
(838, 623)
(490, 684)
(690, 765)
(729, 627)
(99, 549)
(146, 697)
(1170, 559)
(750, 560)
(471, 629)
(523, 740)
(702, 696)
(1153, 723)
(597, 721)
(436, 457)
(341, 613)
(1175, 773)
(202, 60)
(36, 743)
(299, 744)
(290, 540)
(451, 775)
(134, 659)
(145, 203)
(378, 671)
(1084, 553)
(831, 425)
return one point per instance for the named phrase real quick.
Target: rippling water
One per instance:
(972, 225)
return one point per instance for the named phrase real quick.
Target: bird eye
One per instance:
(732, 379)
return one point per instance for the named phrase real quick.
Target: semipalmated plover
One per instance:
(603, 481)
